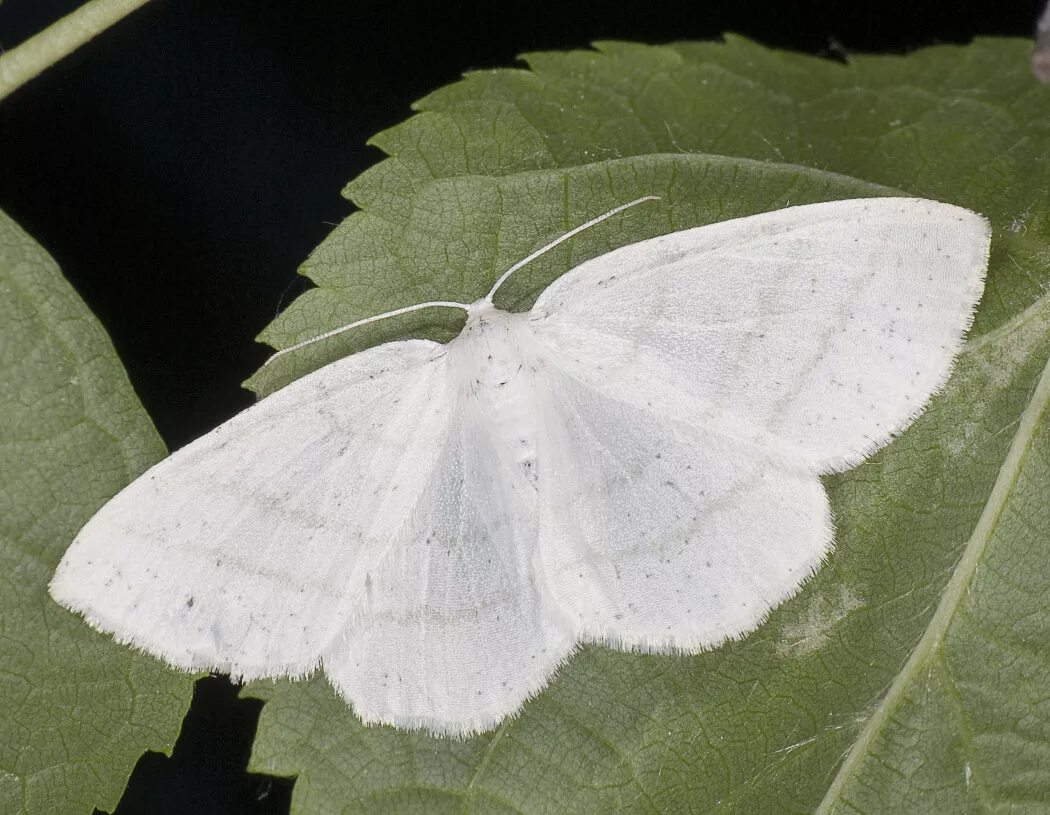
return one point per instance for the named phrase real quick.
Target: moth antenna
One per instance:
(446, 304)
(374, 318)
(562, 238)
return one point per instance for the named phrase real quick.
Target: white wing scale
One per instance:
(817, 331)
(700, 381)
(246, 550)
(457, 635)
(673, 538)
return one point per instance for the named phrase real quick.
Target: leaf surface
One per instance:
(909, 675)
(76, 709)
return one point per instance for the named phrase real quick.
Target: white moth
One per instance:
(634, 462)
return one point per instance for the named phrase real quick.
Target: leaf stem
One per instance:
(1032, 416)
(60, 39)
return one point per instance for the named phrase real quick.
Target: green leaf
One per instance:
(909, 675)
(964, 709)
(76, 709)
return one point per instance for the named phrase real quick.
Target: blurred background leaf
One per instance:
(77, 710)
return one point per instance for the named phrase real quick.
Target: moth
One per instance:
(634, 462)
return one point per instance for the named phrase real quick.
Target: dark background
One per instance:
(183, 164)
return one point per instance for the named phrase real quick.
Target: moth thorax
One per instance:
(493, 348)
(497, 373)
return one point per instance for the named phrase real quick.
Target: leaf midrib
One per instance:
(962, 576)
